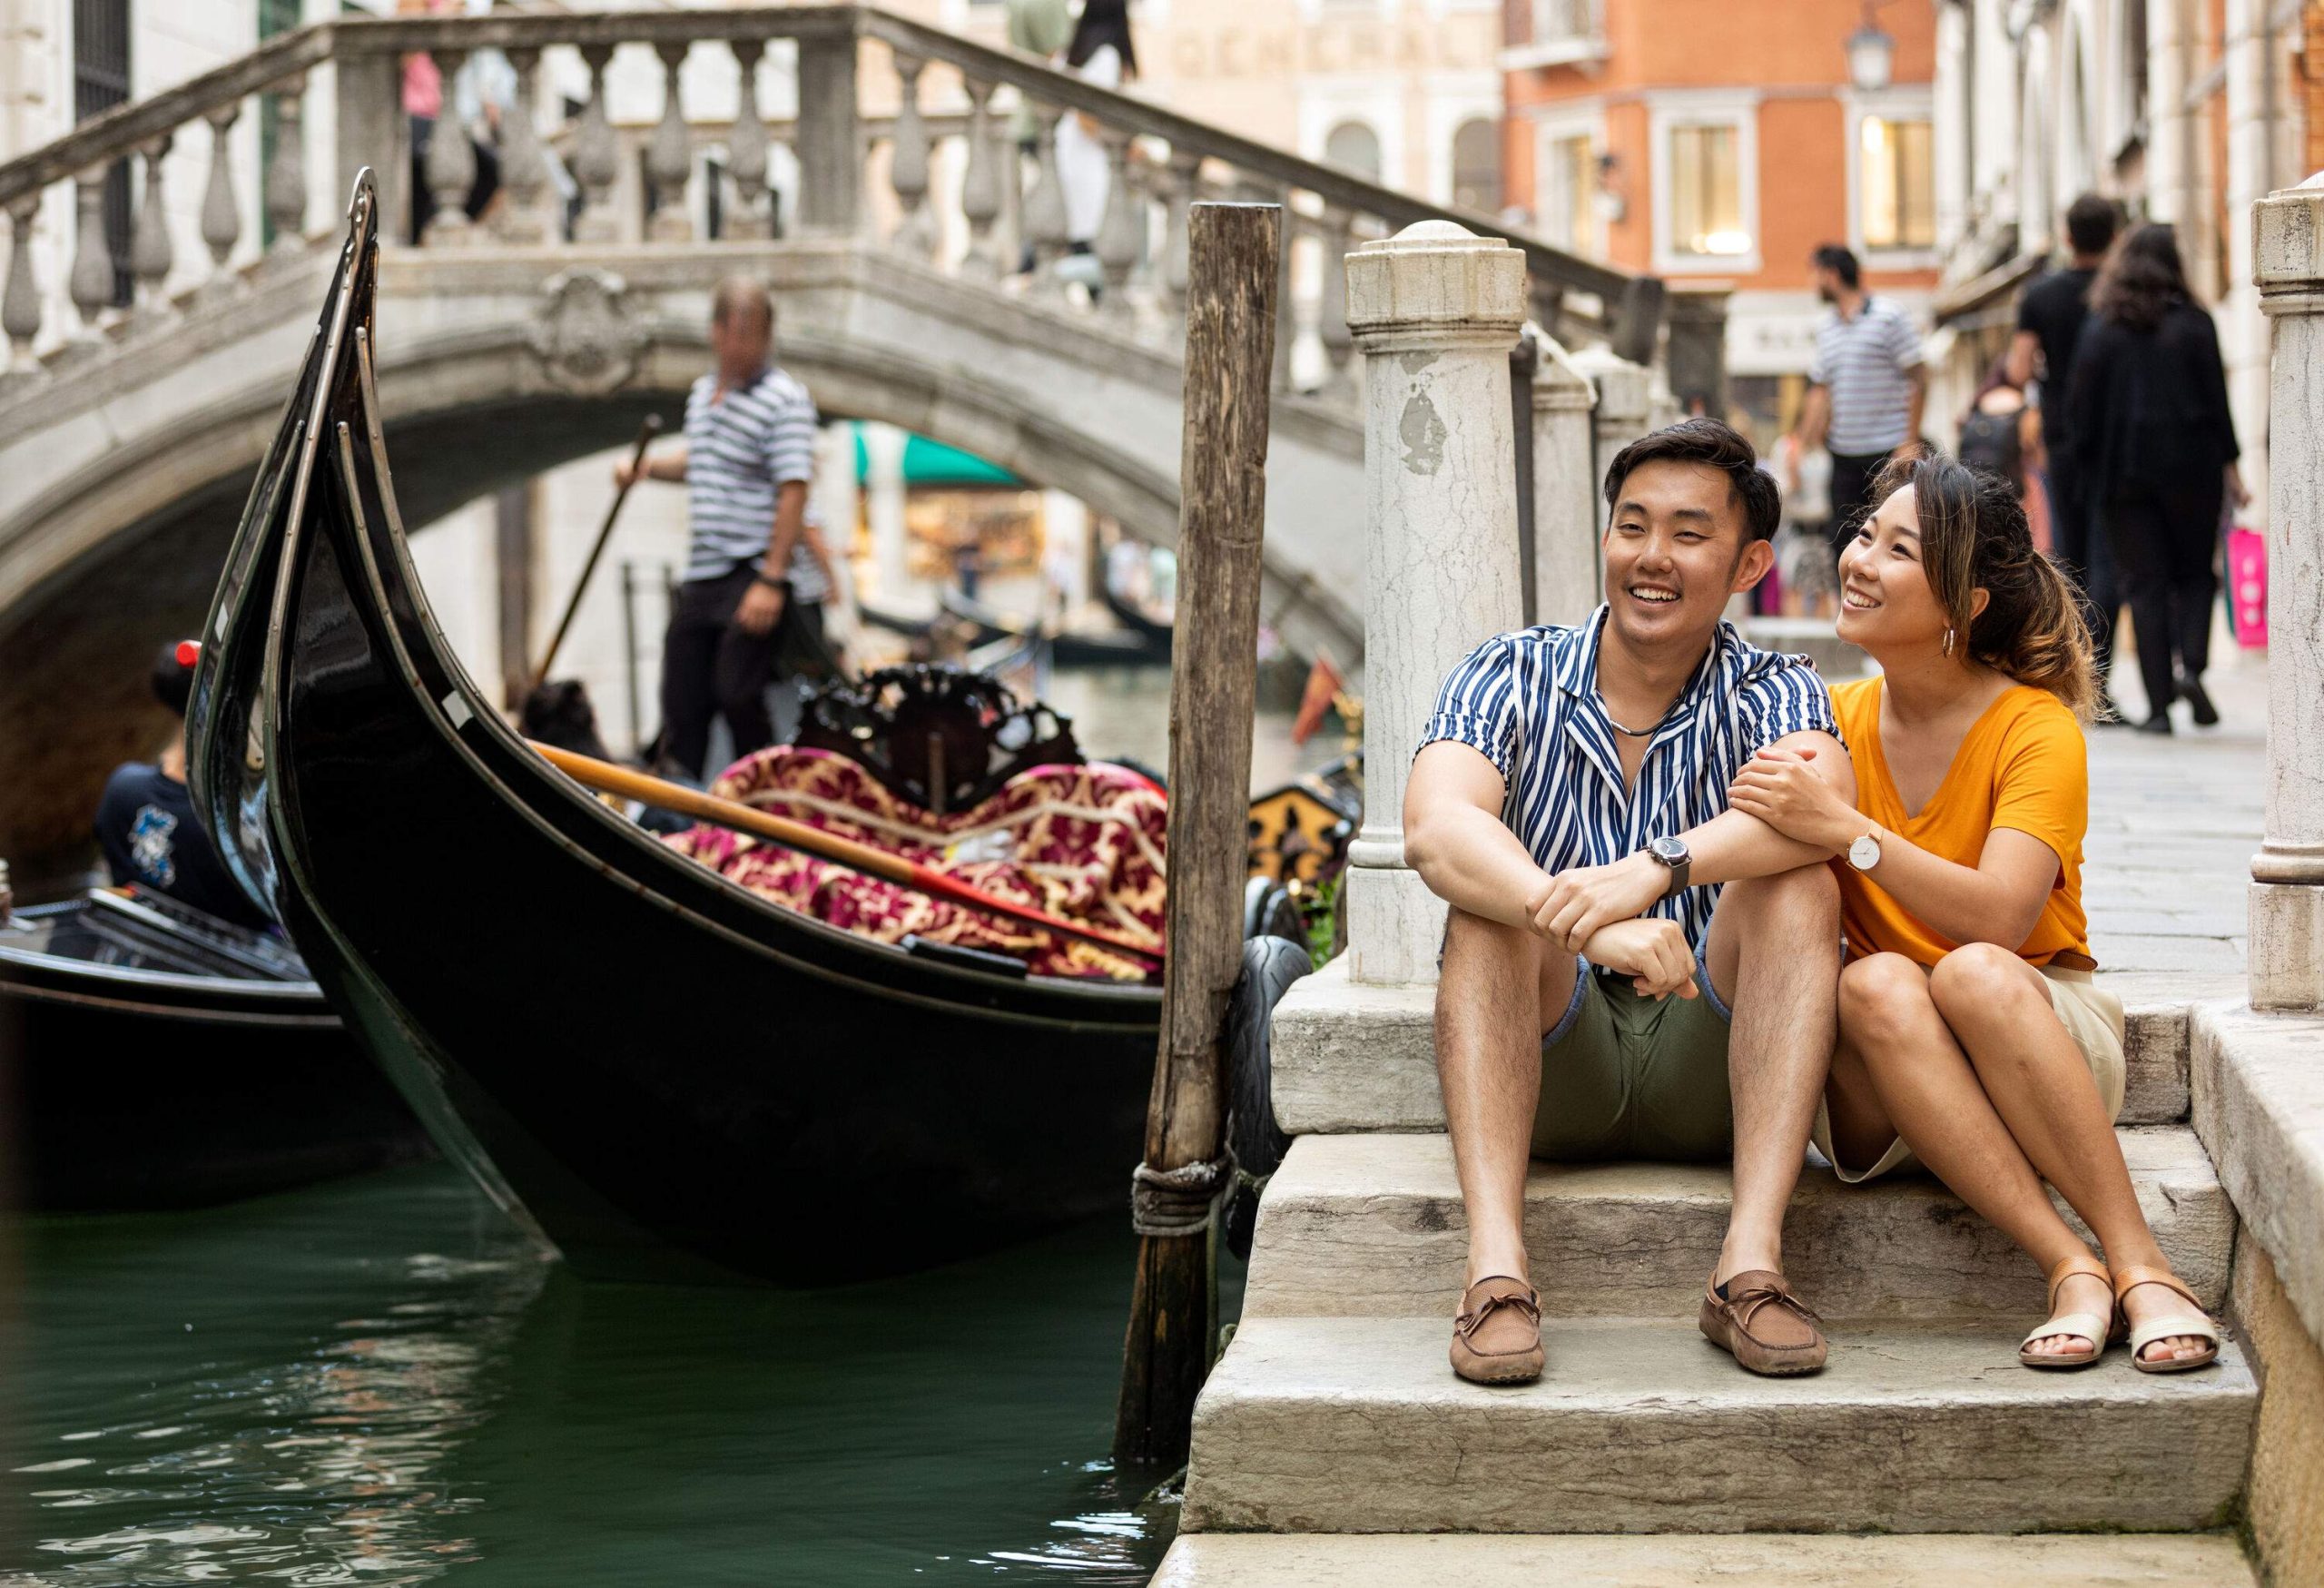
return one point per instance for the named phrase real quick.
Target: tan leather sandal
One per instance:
(2195, 1322)
(1497, 1335)
(2089, 1325)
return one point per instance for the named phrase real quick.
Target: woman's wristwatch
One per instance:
(1863, 853)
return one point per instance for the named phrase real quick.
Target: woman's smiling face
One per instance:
(1886, 603)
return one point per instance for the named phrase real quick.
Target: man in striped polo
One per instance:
(1632, 970)
(1866, 388)
(753, 585)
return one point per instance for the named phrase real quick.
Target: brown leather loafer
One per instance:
(1763, 1325)
(1497, 1337)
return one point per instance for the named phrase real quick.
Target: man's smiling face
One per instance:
(1676, 548)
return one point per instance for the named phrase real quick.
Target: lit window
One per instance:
(1898, 193)
(1707, 194)
(1569, 193)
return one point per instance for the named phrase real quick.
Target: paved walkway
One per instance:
(2173, 825)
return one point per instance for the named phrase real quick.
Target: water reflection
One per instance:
(378, 1381)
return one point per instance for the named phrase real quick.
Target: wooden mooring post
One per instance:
(1231, 267)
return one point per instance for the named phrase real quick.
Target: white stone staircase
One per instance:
(1333, 1430)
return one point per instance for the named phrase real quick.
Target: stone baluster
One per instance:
(829, 137)
(524, 170)
(1186, 176)
(1286, 308)
(1565, 488)
(1047, 228)
(669, 159)
(1338, 230)
(20, 312)
(1625, 409)
(151, 255)
(1120, 233)
(451, 163)
(596, 162)
(981, 188)
(2286, 898)
(91, 284)
(908, 166)
(746, 147)
(221, 213)
(1433, 311)
(284, 192)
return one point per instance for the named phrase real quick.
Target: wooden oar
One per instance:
(645, 434)
(604, 777)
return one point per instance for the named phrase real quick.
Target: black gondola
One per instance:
(151, 1057)
(1122, 647)
(666, 1074)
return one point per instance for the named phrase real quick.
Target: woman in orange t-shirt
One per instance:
(1971, 1036)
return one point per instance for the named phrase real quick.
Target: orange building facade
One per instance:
(1714, 143)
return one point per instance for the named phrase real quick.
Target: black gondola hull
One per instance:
(666, 1075)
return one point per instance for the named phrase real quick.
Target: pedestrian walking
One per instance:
(1865, 388)
(2000, 429)
(1100, 54)
(2155, 442)
(754, 586)
(2049, 324)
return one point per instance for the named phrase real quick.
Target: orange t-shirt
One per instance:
(2022, 766)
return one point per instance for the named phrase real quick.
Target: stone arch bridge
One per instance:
(127, 443)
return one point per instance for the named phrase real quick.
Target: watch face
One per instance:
(1864, 853)
(1668, 850)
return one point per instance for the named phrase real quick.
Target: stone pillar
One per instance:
(831, 165)
(884, 490)
(2169, 144)
(373, 131)
(1625, 407)
(1565, 489)
(2287, 953)
(2252, 175)
(1433, 311)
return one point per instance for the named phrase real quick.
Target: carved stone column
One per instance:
(1186, 177)
(524, 172)
(221, 213)
(1047, 228)
(1625, 407)
(1331, 310)
(20, 311)
(746, 147)
(1434, 310)
(2287, 953)
(91, 284)
(451, 163)
(285, 192)
(1565, 489)
(596, 161)
(151, 254)
(669, 159)
(1119, 230)
(981, 187)
(915, 233)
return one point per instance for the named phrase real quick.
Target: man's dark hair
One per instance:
(2091, 222)
(1718, 445)
(1832, 257)
(174, 676)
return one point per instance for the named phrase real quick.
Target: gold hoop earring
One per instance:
(1948, 642)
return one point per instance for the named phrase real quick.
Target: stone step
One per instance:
(1349, 1057)
(1338, 1424)
(1373, 1224)
(1924, 1560)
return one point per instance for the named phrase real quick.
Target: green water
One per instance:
(379, 1382)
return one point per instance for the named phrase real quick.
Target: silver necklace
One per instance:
(1635, 733)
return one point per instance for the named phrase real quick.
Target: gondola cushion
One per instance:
(1084, 842)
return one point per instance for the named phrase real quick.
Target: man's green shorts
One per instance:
(1629, 1077)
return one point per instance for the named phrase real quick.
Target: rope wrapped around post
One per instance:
(1177, 1201)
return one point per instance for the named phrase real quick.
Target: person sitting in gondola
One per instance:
(145, 821)
(754, 586)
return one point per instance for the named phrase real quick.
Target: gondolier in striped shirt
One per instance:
(1866, 388)
(1631, 969)
(755, 579)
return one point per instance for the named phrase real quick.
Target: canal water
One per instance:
(378, 1381)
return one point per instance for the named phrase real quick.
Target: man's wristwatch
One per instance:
(1671, 853)
(770, 581)
(1864, 853)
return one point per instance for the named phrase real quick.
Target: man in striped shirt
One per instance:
(755, 579)
(1866, 388)
(1632, 970)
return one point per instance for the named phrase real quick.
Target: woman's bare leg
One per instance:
(1999, 1010)
(1926, 1085)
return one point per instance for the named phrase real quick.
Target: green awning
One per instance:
(927, 462)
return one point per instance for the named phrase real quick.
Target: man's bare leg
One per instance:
(1773, 957)
(1498, 995)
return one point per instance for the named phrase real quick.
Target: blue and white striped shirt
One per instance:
(740, 450)
(1527, 702)
(1867, 364)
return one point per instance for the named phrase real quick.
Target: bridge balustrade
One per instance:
(1009, 203)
